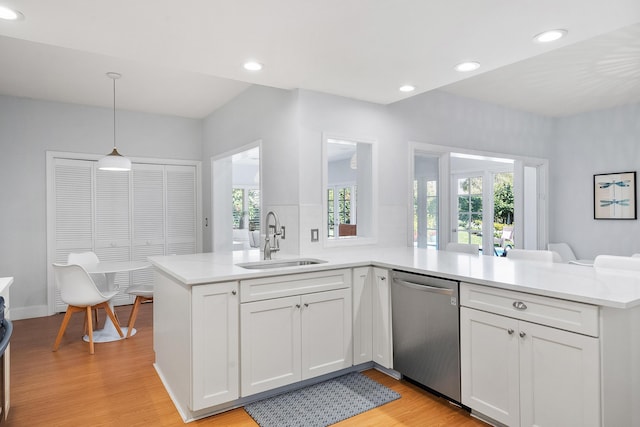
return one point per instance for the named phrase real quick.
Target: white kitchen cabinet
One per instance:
(286, 340)
(300, 334)
(381, 300)
(215, 330)
(522, 373)
(196, 340)
(372, 339)
(362, 315)
(326, 331)
(270, 342)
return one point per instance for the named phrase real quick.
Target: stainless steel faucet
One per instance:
(269, 245)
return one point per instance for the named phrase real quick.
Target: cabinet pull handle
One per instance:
(383, 278)
(306, 304)
(519, 305)
(510, 331)
(233, 292)
(522, 334)
(297, 305)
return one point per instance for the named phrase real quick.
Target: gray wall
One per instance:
(290, 125)
(598, 142)
(28, 128)
(259, 113)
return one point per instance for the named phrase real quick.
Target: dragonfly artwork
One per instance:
(613, 202)
(613, 195)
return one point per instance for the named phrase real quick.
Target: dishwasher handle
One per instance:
(425, 288)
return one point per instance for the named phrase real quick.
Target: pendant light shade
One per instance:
(114, 161)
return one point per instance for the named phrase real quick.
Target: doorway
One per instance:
(236, 199)
(495, 201)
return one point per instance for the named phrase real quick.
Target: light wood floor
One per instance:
(118, 385)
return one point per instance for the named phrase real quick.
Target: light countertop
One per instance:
(5, 282)
(571, 282)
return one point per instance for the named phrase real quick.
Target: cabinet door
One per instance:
(270, 344)
(489, 365)
(382, 338)
(559, 377)
(362, 315)
(214, 322)
(326, 332)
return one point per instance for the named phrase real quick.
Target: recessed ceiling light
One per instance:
(10, 14)
(407, 88)
(550, 36)
(464, 67)
(252, 66)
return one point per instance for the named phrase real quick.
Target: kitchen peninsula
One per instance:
(210, 322)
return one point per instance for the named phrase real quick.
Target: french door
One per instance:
(471, 204)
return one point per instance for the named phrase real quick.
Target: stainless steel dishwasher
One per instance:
(426, 341)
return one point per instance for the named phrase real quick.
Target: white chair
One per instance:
(533, 255)
(611, 262)
(142, 293)
(78, 290)
(564, 250)
(87, 259)
(470, 248)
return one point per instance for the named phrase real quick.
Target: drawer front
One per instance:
(293, 284)
(557, 313)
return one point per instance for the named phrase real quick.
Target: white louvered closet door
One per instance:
(181, 209)
(73, 222)
(112, 224)
(148, 217)
(121, 216)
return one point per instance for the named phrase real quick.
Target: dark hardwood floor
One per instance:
(118, 386)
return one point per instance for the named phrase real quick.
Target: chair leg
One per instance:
(133, 315)
(90, 327)
(107, 308)
(63, 327)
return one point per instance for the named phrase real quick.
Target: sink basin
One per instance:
(280, 263)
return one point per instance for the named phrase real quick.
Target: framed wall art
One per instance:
(614, 196)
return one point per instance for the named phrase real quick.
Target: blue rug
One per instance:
(322, 404)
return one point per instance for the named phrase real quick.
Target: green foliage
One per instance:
(503, 198)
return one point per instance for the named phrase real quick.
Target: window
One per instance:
(426, 200)
(469, 199)
(494, 200)
(341, 210)
(349, 181)
(245, 206)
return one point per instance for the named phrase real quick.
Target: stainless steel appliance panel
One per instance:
(426, 325)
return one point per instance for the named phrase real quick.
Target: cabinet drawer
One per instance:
(557, 313)
(293, 284)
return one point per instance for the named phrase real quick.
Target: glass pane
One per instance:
(463, 186)
(463, 203)
(237, 205)
(254, 209)
(476, 185)
(476, 203)
(432, 188)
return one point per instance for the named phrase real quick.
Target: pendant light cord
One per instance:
(114, 114)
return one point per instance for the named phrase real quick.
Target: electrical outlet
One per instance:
(314, 235)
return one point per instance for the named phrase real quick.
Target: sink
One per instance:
(280, 263)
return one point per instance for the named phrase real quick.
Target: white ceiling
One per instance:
(185, 58)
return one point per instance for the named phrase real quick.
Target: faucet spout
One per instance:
(269, 244)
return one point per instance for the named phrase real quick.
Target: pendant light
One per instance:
(114, 161)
